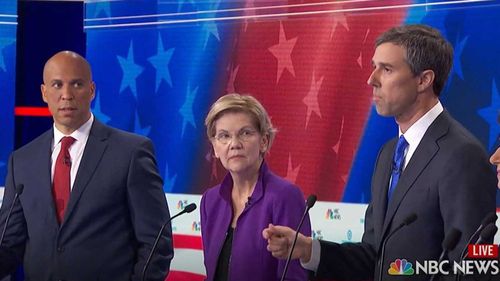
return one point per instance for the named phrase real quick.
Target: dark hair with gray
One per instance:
(426, 49)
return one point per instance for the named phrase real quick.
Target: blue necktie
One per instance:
(397, 165)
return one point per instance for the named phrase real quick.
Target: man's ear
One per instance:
(92, 90)
(44, 93)
(426, 80)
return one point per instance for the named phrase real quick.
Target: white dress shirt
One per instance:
(81, 135)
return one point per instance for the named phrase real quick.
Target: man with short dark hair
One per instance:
(92, 200)
(435, 169)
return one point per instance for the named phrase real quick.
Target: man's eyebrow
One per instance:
(382, 64)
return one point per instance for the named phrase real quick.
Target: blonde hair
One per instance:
(241, 103)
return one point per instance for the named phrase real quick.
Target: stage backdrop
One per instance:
(8, 27)
(159, 65)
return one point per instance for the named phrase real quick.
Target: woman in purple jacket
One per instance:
(250, 197)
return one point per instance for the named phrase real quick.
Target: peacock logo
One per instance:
(196, 226)
(401, 267)
(181, 204)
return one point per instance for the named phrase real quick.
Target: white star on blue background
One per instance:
(210, 29)
(186, 110)
(169, 181)
(160, 62)
(4, 42)
(97, 111)
(102, 6)
(130, 70)
(457, 65)
(457, 60)
(144, 131)
(181, 2)
(490, 115)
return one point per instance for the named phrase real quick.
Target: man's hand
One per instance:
(280, 239)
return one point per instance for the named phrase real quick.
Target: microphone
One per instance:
(407, 221)
(19, 190)
(449, 243)
(487, 233)
(311, 200)
(248, 203)
(188, 209)
(490, 218)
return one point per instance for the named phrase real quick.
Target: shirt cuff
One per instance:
(313, 263)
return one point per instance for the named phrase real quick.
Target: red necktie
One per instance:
(62, 179)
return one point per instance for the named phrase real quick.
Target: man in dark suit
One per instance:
(436, 169)
(92, 202)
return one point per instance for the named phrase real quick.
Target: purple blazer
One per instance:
(275, 201)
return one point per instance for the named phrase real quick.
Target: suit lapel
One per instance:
(381, 178)
(43, 164)
(94, 149)
(421, 158)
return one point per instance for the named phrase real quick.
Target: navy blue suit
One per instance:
(115, 210)
(448, 183)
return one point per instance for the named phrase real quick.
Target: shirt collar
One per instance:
(227, 184)
(416, 132)
(79, 134)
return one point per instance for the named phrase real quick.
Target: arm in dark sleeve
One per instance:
(349, 261)
(149, 211)
(13, 245)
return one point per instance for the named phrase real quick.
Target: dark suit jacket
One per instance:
(116, 208)
(447, 183)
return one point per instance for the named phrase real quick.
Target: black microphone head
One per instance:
(488, 232)
(451, 239)
(19, 189)
(189, 208)
(311, 200)
(490, 218)
(410, 219)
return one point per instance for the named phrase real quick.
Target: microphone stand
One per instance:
(19, 190)
(188, 209)
(309, 204)
(407, 221)
(449, 243)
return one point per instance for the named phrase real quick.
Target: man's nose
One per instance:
(371, 78)
(67, 93)
(495, 158)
